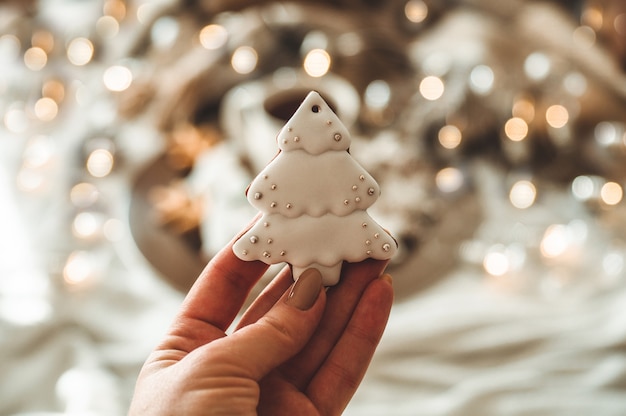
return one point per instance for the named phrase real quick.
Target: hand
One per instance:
(298, 349)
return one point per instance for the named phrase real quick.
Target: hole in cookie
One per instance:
(283, 104)
(316, 108)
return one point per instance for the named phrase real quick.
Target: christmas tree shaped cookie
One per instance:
(314, 197)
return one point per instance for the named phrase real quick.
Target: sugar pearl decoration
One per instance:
(357, 199)
(361, 177)
(258, 195)
(274, 187)
(370, 191)
(386, 247)
(273, 205)
(337, 137)
(288, 206)
(296, 139)
(254, 239)
(267, 254)
(346, 202)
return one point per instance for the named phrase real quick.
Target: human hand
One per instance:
(298, 349)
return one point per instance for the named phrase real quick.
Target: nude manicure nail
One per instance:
(306, 290)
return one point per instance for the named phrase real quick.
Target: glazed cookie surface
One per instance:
(314, 196)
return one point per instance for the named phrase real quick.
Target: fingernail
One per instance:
(305, 291)
(387, 278)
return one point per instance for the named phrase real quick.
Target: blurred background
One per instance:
(130, 129)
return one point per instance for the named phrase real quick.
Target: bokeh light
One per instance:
(557, 116)
(611, 193)
(35, 58)
(523, 194)
(377, 94)
(117, 78)
(46, 109)
(450, 136)
(416, 11)
(481, 79)
(317, 62)
(537, 66)
(431, 88)
(213, 36)
(516, 129)
(244, 60)
(100, 163)
(80, 51)
(449, 180)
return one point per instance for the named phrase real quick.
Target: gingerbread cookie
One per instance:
(314, 197)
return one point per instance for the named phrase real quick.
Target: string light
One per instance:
(449, 180)
(46, 109)
(537, 66)
(213, 36)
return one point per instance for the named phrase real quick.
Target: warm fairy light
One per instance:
(115, 9)
(317, 62)
(213, 36)
(481, 79)
(524, 108)
(107, 27)
(117, 78)
(537, 66)
(86, 225)
(555, 241)
(431, 87)
(35, 58)
(84, 194)
(46, 109)
(44, 40)
(592, 16)
(611, 193)
(79, 268)
(53, 89)
(15, 120)
(100, 163)
(523, 194)
(449, 180)
(377, 94)
(416, 11)
(450, 136)
(584, 37)
(557, 116)
(516, 129)
(496, 263)
(80, 51)
(244, 59)
(619, 24)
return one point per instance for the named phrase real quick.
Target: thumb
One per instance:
(283, 330)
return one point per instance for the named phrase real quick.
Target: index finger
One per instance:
(221, 289)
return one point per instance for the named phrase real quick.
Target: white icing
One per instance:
(314, 197)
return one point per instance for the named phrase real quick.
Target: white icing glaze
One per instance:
(314, 197)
